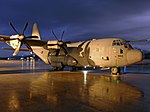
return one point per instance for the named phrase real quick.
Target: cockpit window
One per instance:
(130, 46)
(127, 45)
(117, 43)
(120, 43)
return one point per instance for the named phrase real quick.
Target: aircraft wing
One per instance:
(4, 38)
(143, 40)
(21, 49)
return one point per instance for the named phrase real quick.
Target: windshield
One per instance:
(120, 43)
(117, 43)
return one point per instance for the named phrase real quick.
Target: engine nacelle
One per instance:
(13, 43)
(54, 44)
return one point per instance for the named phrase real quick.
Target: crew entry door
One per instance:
(118, 52)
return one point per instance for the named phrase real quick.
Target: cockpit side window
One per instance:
(126, 45)
(130, 46)
(121, 51)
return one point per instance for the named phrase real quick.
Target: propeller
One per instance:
(22, 39)
(61, 43)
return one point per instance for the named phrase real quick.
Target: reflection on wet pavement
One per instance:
(68, 92)
(37, 89)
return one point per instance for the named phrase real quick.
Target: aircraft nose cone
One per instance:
(134, 56)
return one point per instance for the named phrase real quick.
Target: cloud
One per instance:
(81, 19)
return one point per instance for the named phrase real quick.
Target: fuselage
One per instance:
(108, 52)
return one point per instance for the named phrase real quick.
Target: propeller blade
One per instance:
(17, 49)
(29, 47)
(55, 36)
(25, 27)
(13, 28)
(62, 36)
(65, 49)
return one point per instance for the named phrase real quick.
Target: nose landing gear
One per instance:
(115, 71)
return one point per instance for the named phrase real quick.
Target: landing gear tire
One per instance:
(115, 71)
(76, 68)
(58, 68)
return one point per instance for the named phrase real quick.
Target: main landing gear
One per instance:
(115, 71)
(58, 68)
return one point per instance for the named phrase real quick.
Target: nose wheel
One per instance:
(115, 71)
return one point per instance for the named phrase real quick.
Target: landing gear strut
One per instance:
(115, 71)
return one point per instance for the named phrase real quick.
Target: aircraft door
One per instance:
(118, 54)
(114, 56)
(121, 57)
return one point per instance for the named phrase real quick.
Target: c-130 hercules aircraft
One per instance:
(111, 53)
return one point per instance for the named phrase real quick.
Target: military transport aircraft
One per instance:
(107, 53)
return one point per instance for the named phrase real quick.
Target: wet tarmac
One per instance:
(33, 87)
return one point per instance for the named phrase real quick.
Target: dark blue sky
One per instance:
(81, 19)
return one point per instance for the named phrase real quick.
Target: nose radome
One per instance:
(134, 56)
